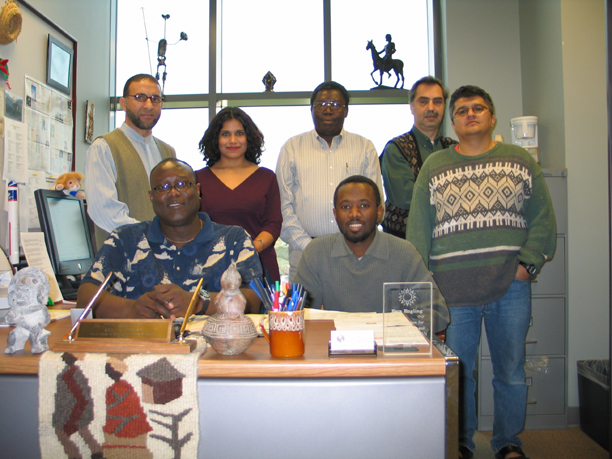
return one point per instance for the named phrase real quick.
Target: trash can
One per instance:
(594, 399)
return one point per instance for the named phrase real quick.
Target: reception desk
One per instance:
(257, 406)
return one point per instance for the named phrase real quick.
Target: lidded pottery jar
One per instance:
(229, 331)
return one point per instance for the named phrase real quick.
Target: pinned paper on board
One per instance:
(35, 251)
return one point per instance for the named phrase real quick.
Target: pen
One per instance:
(192, 303)
(257, 285)
(89, 306)
(267, 285)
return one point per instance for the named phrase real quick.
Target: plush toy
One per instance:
(70, 183)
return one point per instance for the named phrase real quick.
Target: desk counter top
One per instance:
(257, 362)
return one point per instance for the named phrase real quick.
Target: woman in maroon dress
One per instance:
(235, 190)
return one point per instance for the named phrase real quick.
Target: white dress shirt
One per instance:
(308, 172)
(101, 177)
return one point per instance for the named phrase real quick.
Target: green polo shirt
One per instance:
(397, 173)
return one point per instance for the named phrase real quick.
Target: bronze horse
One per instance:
(381, 66)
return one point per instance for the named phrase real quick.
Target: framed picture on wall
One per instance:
(59, 65)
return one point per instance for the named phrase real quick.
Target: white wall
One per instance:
(541, 63)
(483, 49)
(586, 152)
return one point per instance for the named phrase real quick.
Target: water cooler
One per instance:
(525, 134)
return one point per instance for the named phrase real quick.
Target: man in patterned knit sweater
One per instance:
(482, 219)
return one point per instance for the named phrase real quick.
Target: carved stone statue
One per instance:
(229, 331)
(269, 80)
(386, 64)
(27, 297)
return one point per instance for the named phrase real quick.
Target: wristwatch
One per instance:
(531, 269)
(205, 297)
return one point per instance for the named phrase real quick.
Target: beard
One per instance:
(138, 122)
(358, 238)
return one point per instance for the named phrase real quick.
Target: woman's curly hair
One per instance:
(209, 145)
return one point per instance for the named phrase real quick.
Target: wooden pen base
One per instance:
(125, 336)
(118, 346)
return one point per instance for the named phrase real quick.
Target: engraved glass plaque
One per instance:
(407, 317)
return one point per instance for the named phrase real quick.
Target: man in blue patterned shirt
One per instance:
(158, 264)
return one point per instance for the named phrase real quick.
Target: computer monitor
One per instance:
(63, 220)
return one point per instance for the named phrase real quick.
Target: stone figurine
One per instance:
(27, 297)
(269, 80)
(387, 63)
(229, 331)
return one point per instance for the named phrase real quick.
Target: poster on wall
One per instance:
(48, 114)
(15, 153)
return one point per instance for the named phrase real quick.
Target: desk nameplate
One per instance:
(153, 330)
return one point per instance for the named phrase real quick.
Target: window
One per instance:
(302, 44)
(186, 61)
(280, 36)
(355, 22)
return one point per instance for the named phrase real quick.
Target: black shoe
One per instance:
(502, 453)
(465, 453)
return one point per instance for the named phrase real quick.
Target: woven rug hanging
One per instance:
(119, 406)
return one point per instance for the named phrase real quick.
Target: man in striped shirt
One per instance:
(311, 165)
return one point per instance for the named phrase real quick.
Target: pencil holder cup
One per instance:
(286, 335)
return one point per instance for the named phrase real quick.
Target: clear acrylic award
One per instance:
(407, 317)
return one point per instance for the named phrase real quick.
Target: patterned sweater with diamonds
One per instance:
(473, 218)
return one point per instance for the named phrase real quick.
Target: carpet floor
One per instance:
(572, 443)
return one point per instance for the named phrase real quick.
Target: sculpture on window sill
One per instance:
(386, 64)
(269, 80)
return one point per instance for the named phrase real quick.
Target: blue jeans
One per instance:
(506, 323)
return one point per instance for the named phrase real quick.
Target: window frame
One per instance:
(214, 100)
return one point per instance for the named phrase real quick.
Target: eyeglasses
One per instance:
(335, 106)
(178, 186)
(476, 109)
(143, 98)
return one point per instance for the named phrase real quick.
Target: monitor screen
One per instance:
(63, 220)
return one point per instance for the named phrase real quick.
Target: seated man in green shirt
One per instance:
(346, 271)
(403, 156)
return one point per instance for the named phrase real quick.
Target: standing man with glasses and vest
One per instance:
(311, 165)
(482, 219)
(118, 164)
(404, 155)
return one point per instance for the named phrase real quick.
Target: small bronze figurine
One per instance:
(269, 80)
(386, 63)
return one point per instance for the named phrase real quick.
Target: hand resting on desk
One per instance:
(165, 300)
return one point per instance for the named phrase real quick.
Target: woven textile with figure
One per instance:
(119, 405)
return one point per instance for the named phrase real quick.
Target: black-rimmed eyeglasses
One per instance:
(143, 98)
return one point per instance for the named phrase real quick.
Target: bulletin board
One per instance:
(47, 114)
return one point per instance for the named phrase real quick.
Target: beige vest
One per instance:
(132, 179)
